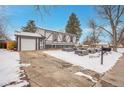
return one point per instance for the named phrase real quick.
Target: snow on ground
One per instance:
(91, 61)
(87, 76)
(10, 69)
(120, 50)
(25, 65)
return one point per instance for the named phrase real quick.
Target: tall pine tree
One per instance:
(30, 27)
(73, 26)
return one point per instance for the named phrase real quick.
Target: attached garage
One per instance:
(27, 41)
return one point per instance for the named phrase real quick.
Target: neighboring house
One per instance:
(7, 44)
(3, 43)
(99, 45)
(44, 38)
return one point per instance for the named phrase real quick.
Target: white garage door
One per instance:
(28, 43)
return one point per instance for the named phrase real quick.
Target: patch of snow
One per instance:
(23, 83)
(85, 75)
(85, 61)
(25, 65)
(9, 67)
(120, 50)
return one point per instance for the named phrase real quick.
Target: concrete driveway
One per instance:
(47, 71)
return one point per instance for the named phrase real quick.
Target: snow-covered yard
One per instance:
(91, 61)
(120, 50)
(10, 73)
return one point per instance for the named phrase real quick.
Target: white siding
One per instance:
(18, 46)
(49, 34)
(74, 39)
(60, 37)
(49, 37)
(67, 38)
(28, 43)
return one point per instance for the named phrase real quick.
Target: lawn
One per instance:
(91, 61)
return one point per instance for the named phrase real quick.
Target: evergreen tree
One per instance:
(73, 26)
(30, 27)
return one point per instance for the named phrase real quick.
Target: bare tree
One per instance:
(43, 10)
(113, 14)
(2, 22)
(95, 32)
(88, 40)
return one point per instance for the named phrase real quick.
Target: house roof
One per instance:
(27, 34)
(56, 31)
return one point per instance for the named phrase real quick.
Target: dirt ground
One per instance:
(47, 71)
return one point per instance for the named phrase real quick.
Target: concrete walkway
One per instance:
(114, 77)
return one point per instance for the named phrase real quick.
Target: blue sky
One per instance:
(19, 15)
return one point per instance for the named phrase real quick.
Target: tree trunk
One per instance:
(114, 40)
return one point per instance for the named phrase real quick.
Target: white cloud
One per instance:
(11, 36)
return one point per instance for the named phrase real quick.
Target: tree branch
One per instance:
(118, 16)
(106, 30)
